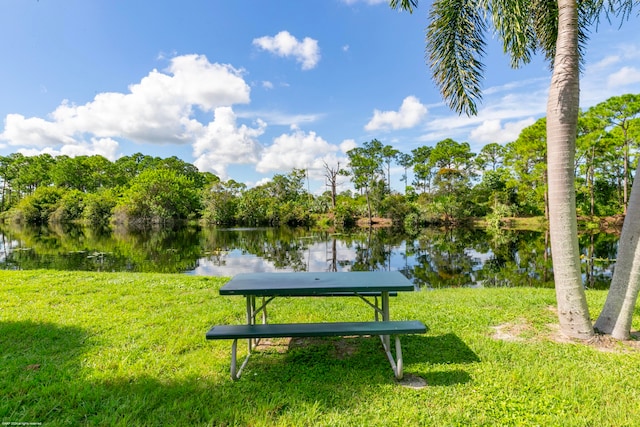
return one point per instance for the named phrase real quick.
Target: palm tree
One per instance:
(455, 48)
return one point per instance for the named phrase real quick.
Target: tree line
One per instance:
(445, 183)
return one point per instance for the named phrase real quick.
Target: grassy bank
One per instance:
(129, 349)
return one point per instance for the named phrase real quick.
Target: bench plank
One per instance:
(316, 329)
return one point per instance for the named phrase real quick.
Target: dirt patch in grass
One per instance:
(523, 331)
(339, 348)
(600, 342)
(274, 345)
(608, 343)
(412, 381)
(512, 331)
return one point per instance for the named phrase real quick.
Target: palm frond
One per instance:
(455, 48)
(407, 5)
(545, 25)
(513, 22)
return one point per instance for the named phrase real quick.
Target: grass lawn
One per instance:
(129, 349)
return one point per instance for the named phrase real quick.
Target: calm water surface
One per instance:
(433, 258)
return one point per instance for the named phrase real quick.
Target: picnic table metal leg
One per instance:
(250, 309)
(385, 305)
(264, 311)
(385, 317)
(397, 363)
(234, 348)
(235, 374)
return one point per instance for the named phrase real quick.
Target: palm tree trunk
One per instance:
(368, 206)
(617, 313)
(591, 180)
(562, 119)
(625, 190)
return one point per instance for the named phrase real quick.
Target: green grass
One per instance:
(129, 349)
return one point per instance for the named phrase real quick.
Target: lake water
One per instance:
(432, 259)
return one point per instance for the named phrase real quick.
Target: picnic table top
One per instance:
(308, 283)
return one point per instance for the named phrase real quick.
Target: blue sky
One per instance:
(247, 89)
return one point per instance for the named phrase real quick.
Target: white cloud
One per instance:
(294, 150)
(279, 118)
(606, 62)
(159, 109)
(614, 74)
(223, 142)
(196, 81)
(347, 145)
(410, 114)
(493, 130)
(34, 131)
(284, 44)
(512, 87)
(624, 77)
(262, 181)
(267, 84)
(106, 147)
(512, 107)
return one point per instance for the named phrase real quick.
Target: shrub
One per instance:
(98, 207)
(70, 207)
(37, 207)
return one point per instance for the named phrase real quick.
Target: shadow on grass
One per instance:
(443, 349)
(305, 356)
(36, 359)
(447, 349)
(37, 347)
(46, 377)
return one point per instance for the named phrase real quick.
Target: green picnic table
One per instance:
(373, 288)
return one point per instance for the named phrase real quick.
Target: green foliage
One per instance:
(70, 207)
(366, 170)
(282, 201)
(31, 172)
(83, 173)
(495, 219)
(221, 202)
(252, 207)
(345, 213)
(98, 207)
(158, 196)
(37, 207)
(294, 213)
(422, 171)
(396, 207)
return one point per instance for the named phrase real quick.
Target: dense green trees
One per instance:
(280, 201)
(526, 157)
(139, 189)
(366, 171)
(449, 183)
(158, 196)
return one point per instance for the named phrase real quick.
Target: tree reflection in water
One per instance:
(434, 258)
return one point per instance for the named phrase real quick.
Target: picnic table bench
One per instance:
(364, 285)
